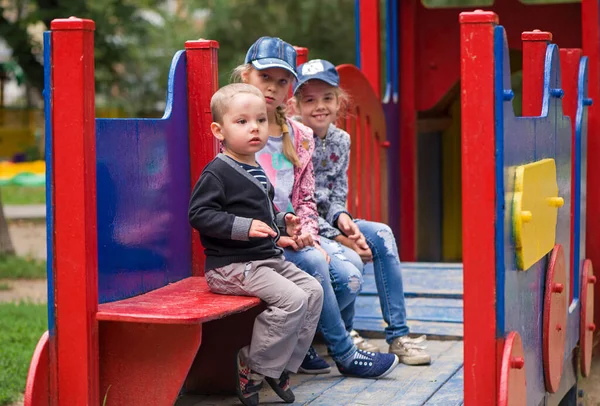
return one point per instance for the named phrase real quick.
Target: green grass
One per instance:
(13, 194)
(21, 326)
(14, 267)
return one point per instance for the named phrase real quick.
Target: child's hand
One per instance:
(363, 250)
(348, 226)
(318, 246)
(285, 242)
(261, 230)
(304, 240)
(292, 225)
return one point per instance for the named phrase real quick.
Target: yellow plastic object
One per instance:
(535, 210)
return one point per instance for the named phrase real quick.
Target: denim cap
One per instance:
(270, 52)
(319, 69)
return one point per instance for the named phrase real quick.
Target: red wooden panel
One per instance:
(144, 364)
(203, 81)
(75, 236)
(368, 135)
(301, 55)
(188, 301)
(534, 56)
(370, 46)
(590, 15)
(513, 386)
(569, 68)
(408, 131)
(479, 202)
(555, 319)
(437, 61)
(587, 325)
(36, 387)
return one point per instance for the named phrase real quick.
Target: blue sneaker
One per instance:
(369, 365)
(314, 364)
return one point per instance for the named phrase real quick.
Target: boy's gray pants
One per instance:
(283, 332)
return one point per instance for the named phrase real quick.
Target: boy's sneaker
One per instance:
(369, 365)
(249, 383)
(282, 388)
(314, 364)
(409, 351)
(362, 343)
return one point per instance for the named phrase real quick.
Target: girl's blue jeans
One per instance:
(342, 281)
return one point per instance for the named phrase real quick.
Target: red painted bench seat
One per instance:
(188, 301)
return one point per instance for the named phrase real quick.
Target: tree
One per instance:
(326, 27)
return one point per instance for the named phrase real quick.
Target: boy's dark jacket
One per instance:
(224, 202)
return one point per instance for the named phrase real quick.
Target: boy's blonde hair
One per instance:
(219, 103)
(289, 150)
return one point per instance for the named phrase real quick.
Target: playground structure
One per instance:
(127, 299)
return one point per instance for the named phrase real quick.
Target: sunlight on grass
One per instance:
(13, 194)
(21, 326)
(14, 267)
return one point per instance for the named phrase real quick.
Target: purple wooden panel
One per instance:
(521, 293)
(143, 192)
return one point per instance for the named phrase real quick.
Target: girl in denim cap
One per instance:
(319, 100)
(270, 65)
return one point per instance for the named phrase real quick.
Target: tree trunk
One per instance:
(6, 246)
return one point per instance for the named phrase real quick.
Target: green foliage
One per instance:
(21, 326)
(14, 267)
(325, 27)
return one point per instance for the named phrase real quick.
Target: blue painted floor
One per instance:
(440, 384)
(434, 303)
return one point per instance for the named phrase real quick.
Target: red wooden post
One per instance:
(75, 348)
(534, 54)
(569, 67)
(479, 205)
(370, 52)
(301, 55)
(590, 15)
(408, 133)
(203, 82)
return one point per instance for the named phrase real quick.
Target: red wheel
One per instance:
(513, 389)
(555, 319)
(587, 326)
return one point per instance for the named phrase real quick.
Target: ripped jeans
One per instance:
(388, 276)
(341, 280)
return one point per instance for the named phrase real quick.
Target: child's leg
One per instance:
(275, 332)
(388, 276)
(314, 293)
(346, 270)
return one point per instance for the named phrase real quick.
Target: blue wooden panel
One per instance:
(451, 393)
(143, 175)
(419, 309)
(580, 167)
(522, 140)
(431, 328)
(48, 158)
(424, 281)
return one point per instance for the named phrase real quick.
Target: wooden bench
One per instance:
(132, 320)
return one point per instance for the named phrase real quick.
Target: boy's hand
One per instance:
(261, 230)
(348, 226)
(363, 250)
(292, 225)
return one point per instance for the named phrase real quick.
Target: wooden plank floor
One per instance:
(434, 303)
(441, 384)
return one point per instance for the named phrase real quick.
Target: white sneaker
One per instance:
(409, 352)
(362, 343)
